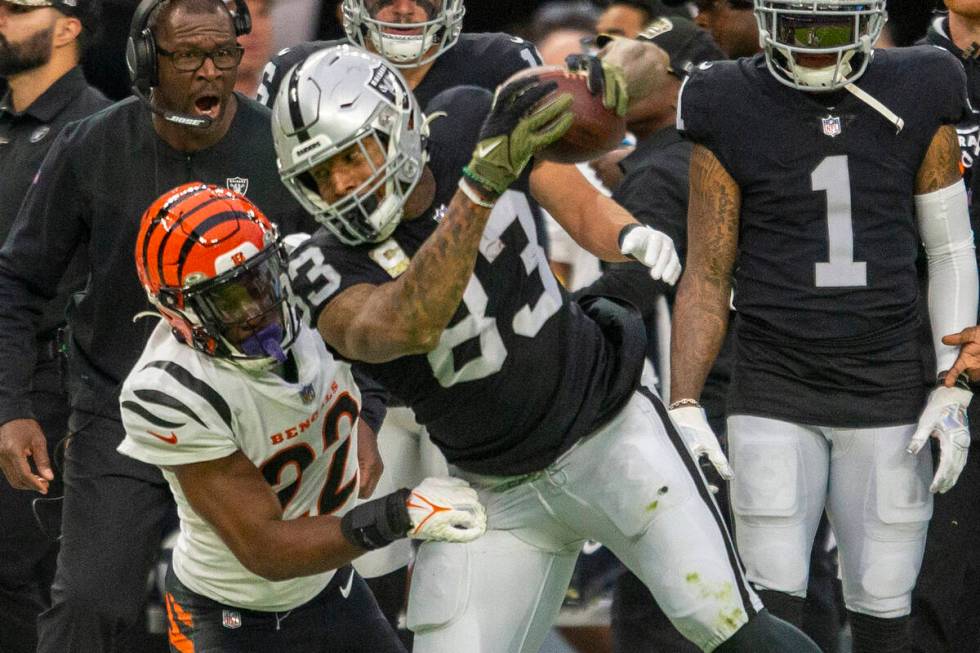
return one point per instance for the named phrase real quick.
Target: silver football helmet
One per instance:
(336, 100)
(844, 29)
(405, 45)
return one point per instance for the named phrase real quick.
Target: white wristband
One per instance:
(473, 195)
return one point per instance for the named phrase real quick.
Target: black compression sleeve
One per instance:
(378, 523)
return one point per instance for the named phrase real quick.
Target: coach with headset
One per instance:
(185, 124)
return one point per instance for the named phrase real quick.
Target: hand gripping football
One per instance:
(596, 129)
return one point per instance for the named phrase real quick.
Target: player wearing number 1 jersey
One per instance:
(250, 420)
(534, 399)
(820, 166)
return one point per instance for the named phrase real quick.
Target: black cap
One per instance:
(654, 8)
(87, 11)
(686, 44)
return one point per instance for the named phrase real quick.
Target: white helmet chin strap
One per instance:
(830, 76)
(868, 99)
(387, 216)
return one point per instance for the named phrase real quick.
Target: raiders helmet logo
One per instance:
(237, 184)
(384, 82)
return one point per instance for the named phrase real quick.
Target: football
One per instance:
(596, 129)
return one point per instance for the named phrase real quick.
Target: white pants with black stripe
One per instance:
(630, 485)
(876, 496)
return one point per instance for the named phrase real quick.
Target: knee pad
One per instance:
(769, 504)
(895, 536)
(440, 585)
(887, 582)
(887, 576)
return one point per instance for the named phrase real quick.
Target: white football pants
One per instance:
(631, 485)
(876, 496)
(409, 457)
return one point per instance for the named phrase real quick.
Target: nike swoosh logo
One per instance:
(345, 591)
(482, 151)
(169, 439)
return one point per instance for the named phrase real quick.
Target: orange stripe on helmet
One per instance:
(183, 219)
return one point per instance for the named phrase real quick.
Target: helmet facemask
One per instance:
(246, 310)
(796, 34)
(213, 266)
(405, 44)
(370, 117)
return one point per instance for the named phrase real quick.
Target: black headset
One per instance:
(141, 48)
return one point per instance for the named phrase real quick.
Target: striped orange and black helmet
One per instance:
(213, 265)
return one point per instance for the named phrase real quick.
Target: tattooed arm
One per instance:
(701, 308)
(943, 220)
(406, 316)
(941, 166)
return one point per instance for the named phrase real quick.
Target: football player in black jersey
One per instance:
(533, 398)
(942, 613)
(424, 39)
(819, 166)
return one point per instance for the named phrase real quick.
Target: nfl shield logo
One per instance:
(231, 619)
(831, 126)
(237, 184)
(307, 394)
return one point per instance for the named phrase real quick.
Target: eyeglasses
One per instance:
(190, 61)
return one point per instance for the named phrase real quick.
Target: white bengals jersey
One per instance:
(181, 407)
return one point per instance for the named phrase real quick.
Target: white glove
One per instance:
(447, 510)
(653, 249)
(693, 426)
(944, 418)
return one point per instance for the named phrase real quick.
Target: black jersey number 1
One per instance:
(841, 270)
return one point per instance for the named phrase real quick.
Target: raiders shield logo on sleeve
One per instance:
(237, 184)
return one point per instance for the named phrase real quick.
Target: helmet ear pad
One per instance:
(141, 50)
(179, 326)
(141, 47)
(171, 304)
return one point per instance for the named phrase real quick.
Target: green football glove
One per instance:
(514, 130)
(605, 78)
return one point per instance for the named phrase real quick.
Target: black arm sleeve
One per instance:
(374, 399)
(41, 243)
